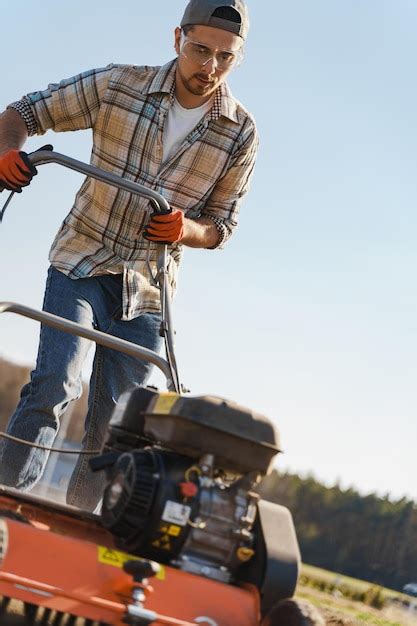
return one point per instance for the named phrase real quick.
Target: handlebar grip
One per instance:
(48, 147)
(163, 212)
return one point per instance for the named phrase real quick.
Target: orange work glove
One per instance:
(16, 170)
(165, 227)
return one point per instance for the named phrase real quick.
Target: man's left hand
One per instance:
(165, 227)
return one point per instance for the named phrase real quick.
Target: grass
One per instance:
(346, 600)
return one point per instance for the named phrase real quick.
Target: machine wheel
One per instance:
(293, 613)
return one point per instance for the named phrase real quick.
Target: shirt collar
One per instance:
(224, 102)
(164, 79)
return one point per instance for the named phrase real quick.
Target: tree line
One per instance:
(366, 537)
(12, 378)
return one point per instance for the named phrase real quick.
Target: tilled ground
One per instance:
(337, 618)
(339, 611)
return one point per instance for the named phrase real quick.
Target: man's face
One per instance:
(199, 78)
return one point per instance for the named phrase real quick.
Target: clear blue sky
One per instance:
(310, 314)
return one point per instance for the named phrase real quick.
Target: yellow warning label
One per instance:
(118, 559)
(163, 543)
(165, 402)
(174, 531)
(169, 529)
(110, 557)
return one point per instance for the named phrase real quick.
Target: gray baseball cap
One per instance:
(201, 12)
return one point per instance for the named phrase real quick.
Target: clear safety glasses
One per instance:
(201, 54)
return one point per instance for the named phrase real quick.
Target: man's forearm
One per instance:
(200, 233)
(13, 131)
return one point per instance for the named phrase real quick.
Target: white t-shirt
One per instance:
(178, 125)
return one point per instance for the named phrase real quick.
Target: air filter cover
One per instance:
(241, 440)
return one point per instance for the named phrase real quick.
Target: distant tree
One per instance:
(362, 536)
(12, 379)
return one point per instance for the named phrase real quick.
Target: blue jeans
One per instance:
(56, 381)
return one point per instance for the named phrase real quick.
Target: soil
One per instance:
(339, 611)
(336, 618)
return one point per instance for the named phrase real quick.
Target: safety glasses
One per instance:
(201, 54)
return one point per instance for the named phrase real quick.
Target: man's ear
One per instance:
(177, 39)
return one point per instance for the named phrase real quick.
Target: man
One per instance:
(176, 129)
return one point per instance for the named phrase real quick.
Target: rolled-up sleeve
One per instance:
(225, 200)
(71, 104)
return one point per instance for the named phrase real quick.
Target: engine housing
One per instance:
(181, 473)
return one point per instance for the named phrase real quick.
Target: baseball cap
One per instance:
(201, 12)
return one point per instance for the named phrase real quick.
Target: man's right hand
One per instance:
(16, 170)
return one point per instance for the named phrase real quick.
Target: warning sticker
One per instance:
(163, 543)
(165, 402)
(176, 513)
(169, 529)
(174, 531)
(108, 556)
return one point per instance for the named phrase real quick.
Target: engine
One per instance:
(181, 472)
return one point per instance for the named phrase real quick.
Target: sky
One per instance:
(309, 315)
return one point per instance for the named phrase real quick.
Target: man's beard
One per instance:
(197, 89)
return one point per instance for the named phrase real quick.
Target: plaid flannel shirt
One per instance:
(126, 106)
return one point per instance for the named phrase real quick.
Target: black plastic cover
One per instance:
(241, 440)
(275, 567)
